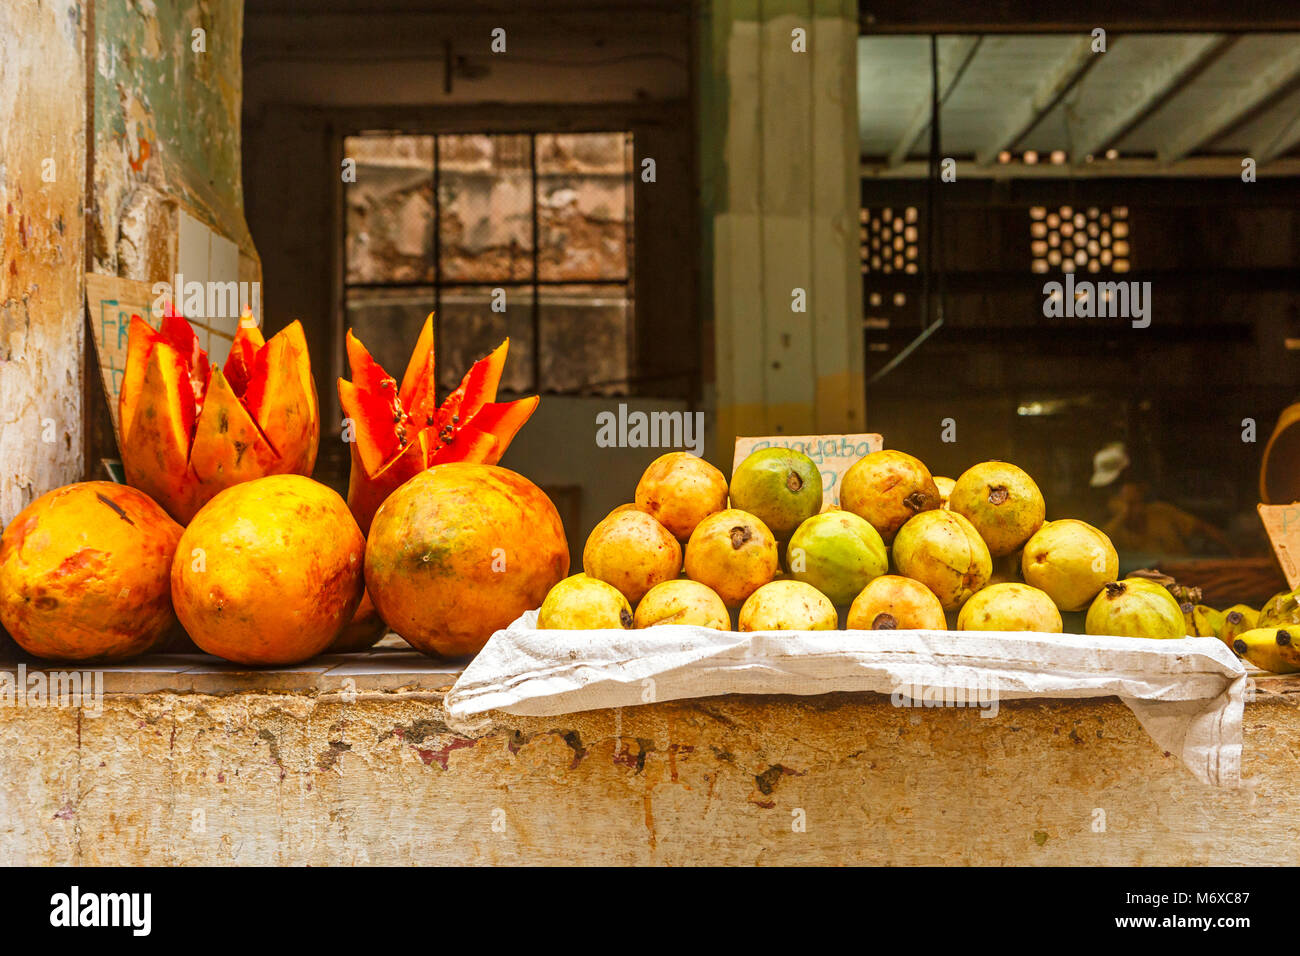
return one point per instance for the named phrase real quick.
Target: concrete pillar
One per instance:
(42, 251)
(779, 166)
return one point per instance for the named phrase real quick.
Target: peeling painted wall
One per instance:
(267, 778)
(167, 129)
(42, 233)
(166, 138)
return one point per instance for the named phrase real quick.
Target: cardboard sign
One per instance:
(111, 302)
(832, 453)
(1282, 522)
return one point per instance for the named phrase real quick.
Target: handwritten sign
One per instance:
(111, 302)
(832, 453)
(1282, 522)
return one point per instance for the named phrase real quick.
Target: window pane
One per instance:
(390, 209)
(584, 209)
(388, 321)
(470, 329)
(585, 336)
(485, 186)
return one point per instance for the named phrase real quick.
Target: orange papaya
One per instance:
(85, 573)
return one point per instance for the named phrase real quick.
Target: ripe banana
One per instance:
(1246, 611)
(1237, 620)
(1281, 610)
(1270, 649)
(1201, 620)
(1208, 621)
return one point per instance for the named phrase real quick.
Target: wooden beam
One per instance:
(960, 51)
(1026, 114)
(1070, 16)
(1281, 143)
(1226, 110)
(1170, 192)
(1175, 281)
(1128, 168)
(1184, 57)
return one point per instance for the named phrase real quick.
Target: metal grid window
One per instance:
(1079, 240)
(890, 240)
(528, 235)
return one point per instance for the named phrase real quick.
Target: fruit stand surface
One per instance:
(352, 759)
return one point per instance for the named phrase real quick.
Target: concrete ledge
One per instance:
(327, 778)
(390, 666)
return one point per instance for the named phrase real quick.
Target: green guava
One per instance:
(943, 551)
(1001, 501)
(1010, 607)
(779, 486)
(838, 553)
(787, 606)
(1135, 608)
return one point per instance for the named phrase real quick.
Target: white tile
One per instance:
(223, 266)
(193, 251)
(223, 259)
(219, 345)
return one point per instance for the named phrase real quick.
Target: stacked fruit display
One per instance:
(904, 550)
(443, 546)
(273, 567)
(1263, 637)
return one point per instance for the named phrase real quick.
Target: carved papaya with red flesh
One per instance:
(398, 430)
(189, 430)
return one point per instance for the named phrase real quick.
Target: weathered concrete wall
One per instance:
(290, 779)
(42, 231)
(167, 104)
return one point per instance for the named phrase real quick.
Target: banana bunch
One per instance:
(1237, 620)
(1270, 649)
(1281, 610)
(1202, 620)
(1182, 593)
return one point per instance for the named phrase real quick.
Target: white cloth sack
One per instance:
(1188, 694)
